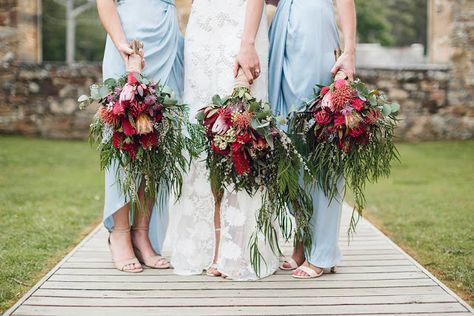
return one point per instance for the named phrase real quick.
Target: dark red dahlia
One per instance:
(131, 148)
(339, 120)
(244, 138)
(357, 131)
(118, 109)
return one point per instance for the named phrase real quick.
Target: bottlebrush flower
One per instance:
(358, 104)
(149, 140)
(117, 140)
(223, 121)
(128, 128)
(242, 120)
(322, 117)
(107, 116)
(342, 96)
(241, 162)
(127, 95)
(144, 124)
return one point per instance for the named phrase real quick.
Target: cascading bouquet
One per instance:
(347, 133)
(246, 151)
(139, 131)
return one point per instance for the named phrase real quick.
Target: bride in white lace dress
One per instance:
(221, 36)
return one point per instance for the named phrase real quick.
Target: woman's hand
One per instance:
(125, 50)
(346, 63)
(248, 60)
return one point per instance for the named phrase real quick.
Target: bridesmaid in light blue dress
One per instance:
(155, 23)
(303, 38)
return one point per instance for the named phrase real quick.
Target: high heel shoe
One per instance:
(122, 265)
(153, 262)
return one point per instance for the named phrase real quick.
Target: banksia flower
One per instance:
(242, 120)
(107, 116)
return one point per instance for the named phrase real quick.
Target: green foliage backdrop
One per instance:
(389, 22)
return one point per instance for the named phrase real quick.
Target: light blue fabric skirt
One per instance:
(155, 23)
(303, 37)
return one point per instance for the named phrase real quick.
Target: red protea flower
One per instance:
(149, 140)
(117, 140)
(372, 116)
(342, 96)
(223, 121)
(242, 120)
(107, 116)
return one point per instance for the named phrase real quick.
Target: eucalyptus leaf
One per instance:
(386, 110)
(110, 83)
(395, 107)
(216, 100)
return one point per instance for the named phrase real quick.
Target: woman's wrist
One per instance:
(246, 42)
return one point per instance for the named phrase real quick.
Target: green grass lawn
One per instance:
(427, 207)
(51, 193)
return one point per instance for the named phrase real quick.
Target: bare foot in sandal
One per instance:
(296, 259)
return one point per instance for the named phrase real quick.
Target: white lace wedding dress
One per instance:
(212, 43)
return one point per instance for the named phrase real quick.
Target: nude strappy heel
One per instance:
(153, 262)
(121, 265)
(311, 274)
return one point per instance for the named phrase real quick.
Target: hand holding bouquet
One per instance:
(138, 128)
(348, 133)
(246, 151)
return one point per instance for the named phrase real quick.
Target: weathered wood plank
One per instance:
(238, 301)
(244, 310)
(324, 283)
(129, 278)
(253, 293)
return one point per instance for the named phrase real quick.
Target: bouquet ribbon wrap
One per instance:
(134, 63)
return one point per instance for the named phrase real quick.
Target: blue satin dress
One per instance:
(303, 37)
(155, 23)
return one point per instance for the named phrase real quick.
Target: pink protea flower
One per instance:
(223, 121)
(326, 103)
(127, 95)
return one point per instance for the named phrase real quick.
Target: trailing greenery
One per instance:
(247, 152)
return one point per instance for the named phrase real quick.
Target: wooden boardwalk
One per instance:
(375, 278)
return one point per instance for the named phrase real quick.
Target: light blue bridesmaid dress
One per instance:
(155, 23)
(303, 37)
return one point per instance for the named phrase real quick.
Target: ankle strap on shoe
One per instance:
(121, 230)
(140, 228)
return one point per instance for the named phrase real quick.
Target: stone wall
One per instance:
(41, 100)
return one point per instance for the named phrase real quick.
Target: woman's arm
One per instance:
(347, 19)
(111, 21)
(247, 59)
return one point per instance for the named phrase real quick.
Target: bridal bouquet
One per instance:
(246, 151)
(348, 133)
(138, 128)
